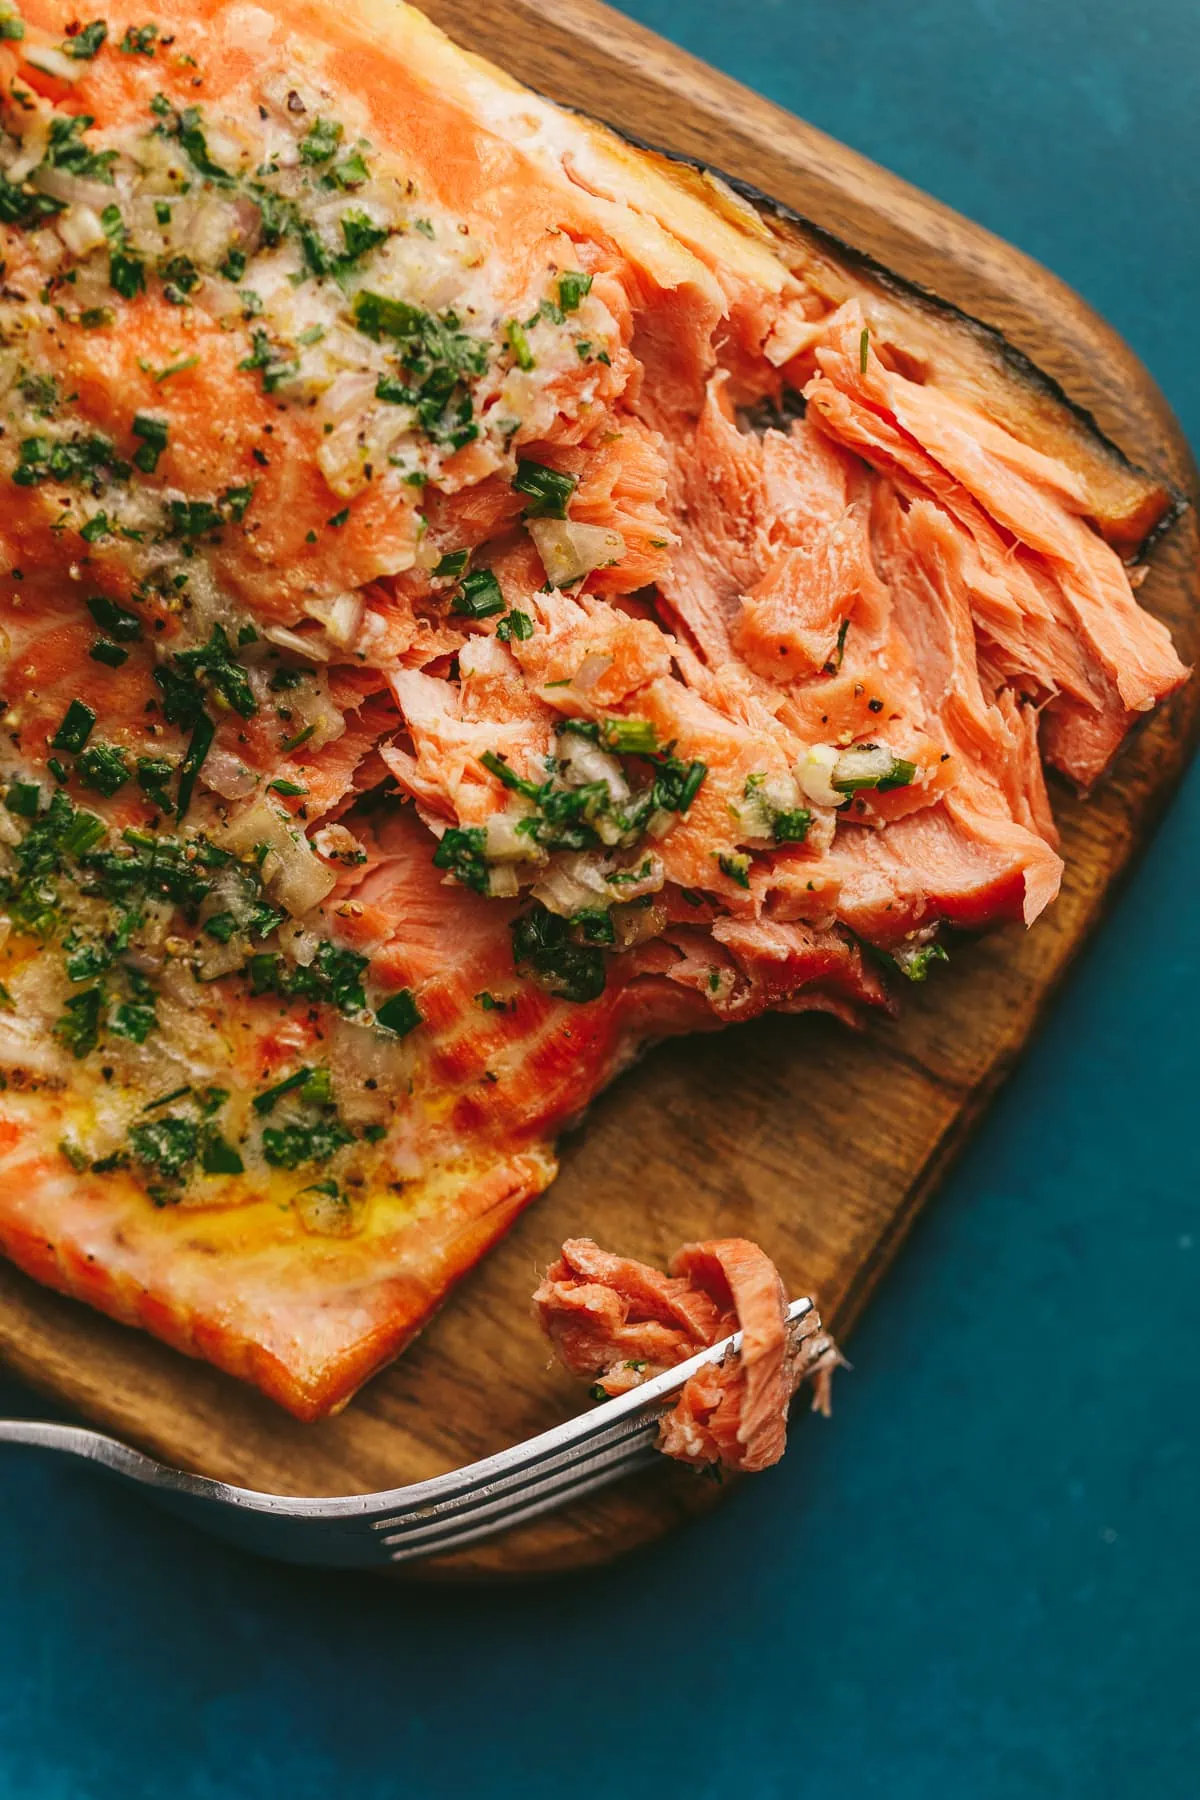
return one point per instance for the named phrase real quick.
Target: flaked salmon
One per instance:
(617, 1323)
(476, 598)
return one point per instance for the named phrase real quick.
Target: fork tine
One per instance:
(488, 1486)
(472, 1527)
(635, 1447)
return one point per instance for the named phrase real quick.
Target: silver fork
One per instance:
(427, 1518)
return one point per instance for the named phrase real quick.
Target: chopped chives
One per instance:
(518, 343)
(479, 596)
(105, 651)
(548, 490)
(75, 729)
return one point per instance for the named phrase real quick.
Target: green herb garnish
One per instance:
(518, 344)
(87, 42)
(399, 1014)
(543, 946)
(75, 729)
(516, 624)
(462, 854)
(103, 767)
(117, 622)
(478, 596)
(321, 140)
(572, 286)
(139, 40)
(153, 433)
(168, 1144)
(549, 490)
(81, 460)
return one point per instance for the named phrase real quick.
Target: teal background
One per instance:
(980, 1580)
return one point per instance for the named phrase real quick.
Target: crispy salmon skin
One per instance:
(476, 598)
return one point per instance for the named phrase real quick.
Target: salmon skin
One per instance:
(478, 597)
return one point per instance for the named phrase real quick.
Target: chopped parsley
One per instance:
(82, 460)
(361, 235)
(168, 1145)
(79, 1026)
(117, 622)
(594, 925)
(25, 205)
(217, 1157)
(791, 826)
(321, 140)
(189, 129)
(197, 518)
(438, 358)
(400, 1013)
(126, 270)
(585, 816)
(544, 948)
(297, 1144)
(88, 42)
(66, 149)
(139, 40)
(215, 663)
(462, 853)
(334, 976)
(153, 433)
(179, 275)
(350, 174)
(274, 363)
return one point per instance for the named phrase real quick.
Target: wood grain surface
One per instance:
(819, 1143)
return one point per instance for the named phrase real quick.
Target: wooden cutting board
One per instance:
(820, 1144)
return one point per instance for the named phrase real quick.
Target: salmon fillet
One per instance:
(475, 599)
(617, 1323)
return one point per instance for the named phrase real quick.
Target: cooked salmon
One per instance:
(618, 1323)
(476, 598)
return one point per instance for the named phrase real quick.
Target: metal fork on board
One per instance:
(427, 1518)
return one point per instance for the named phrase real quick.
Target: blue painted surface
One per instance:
(980, 1580)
